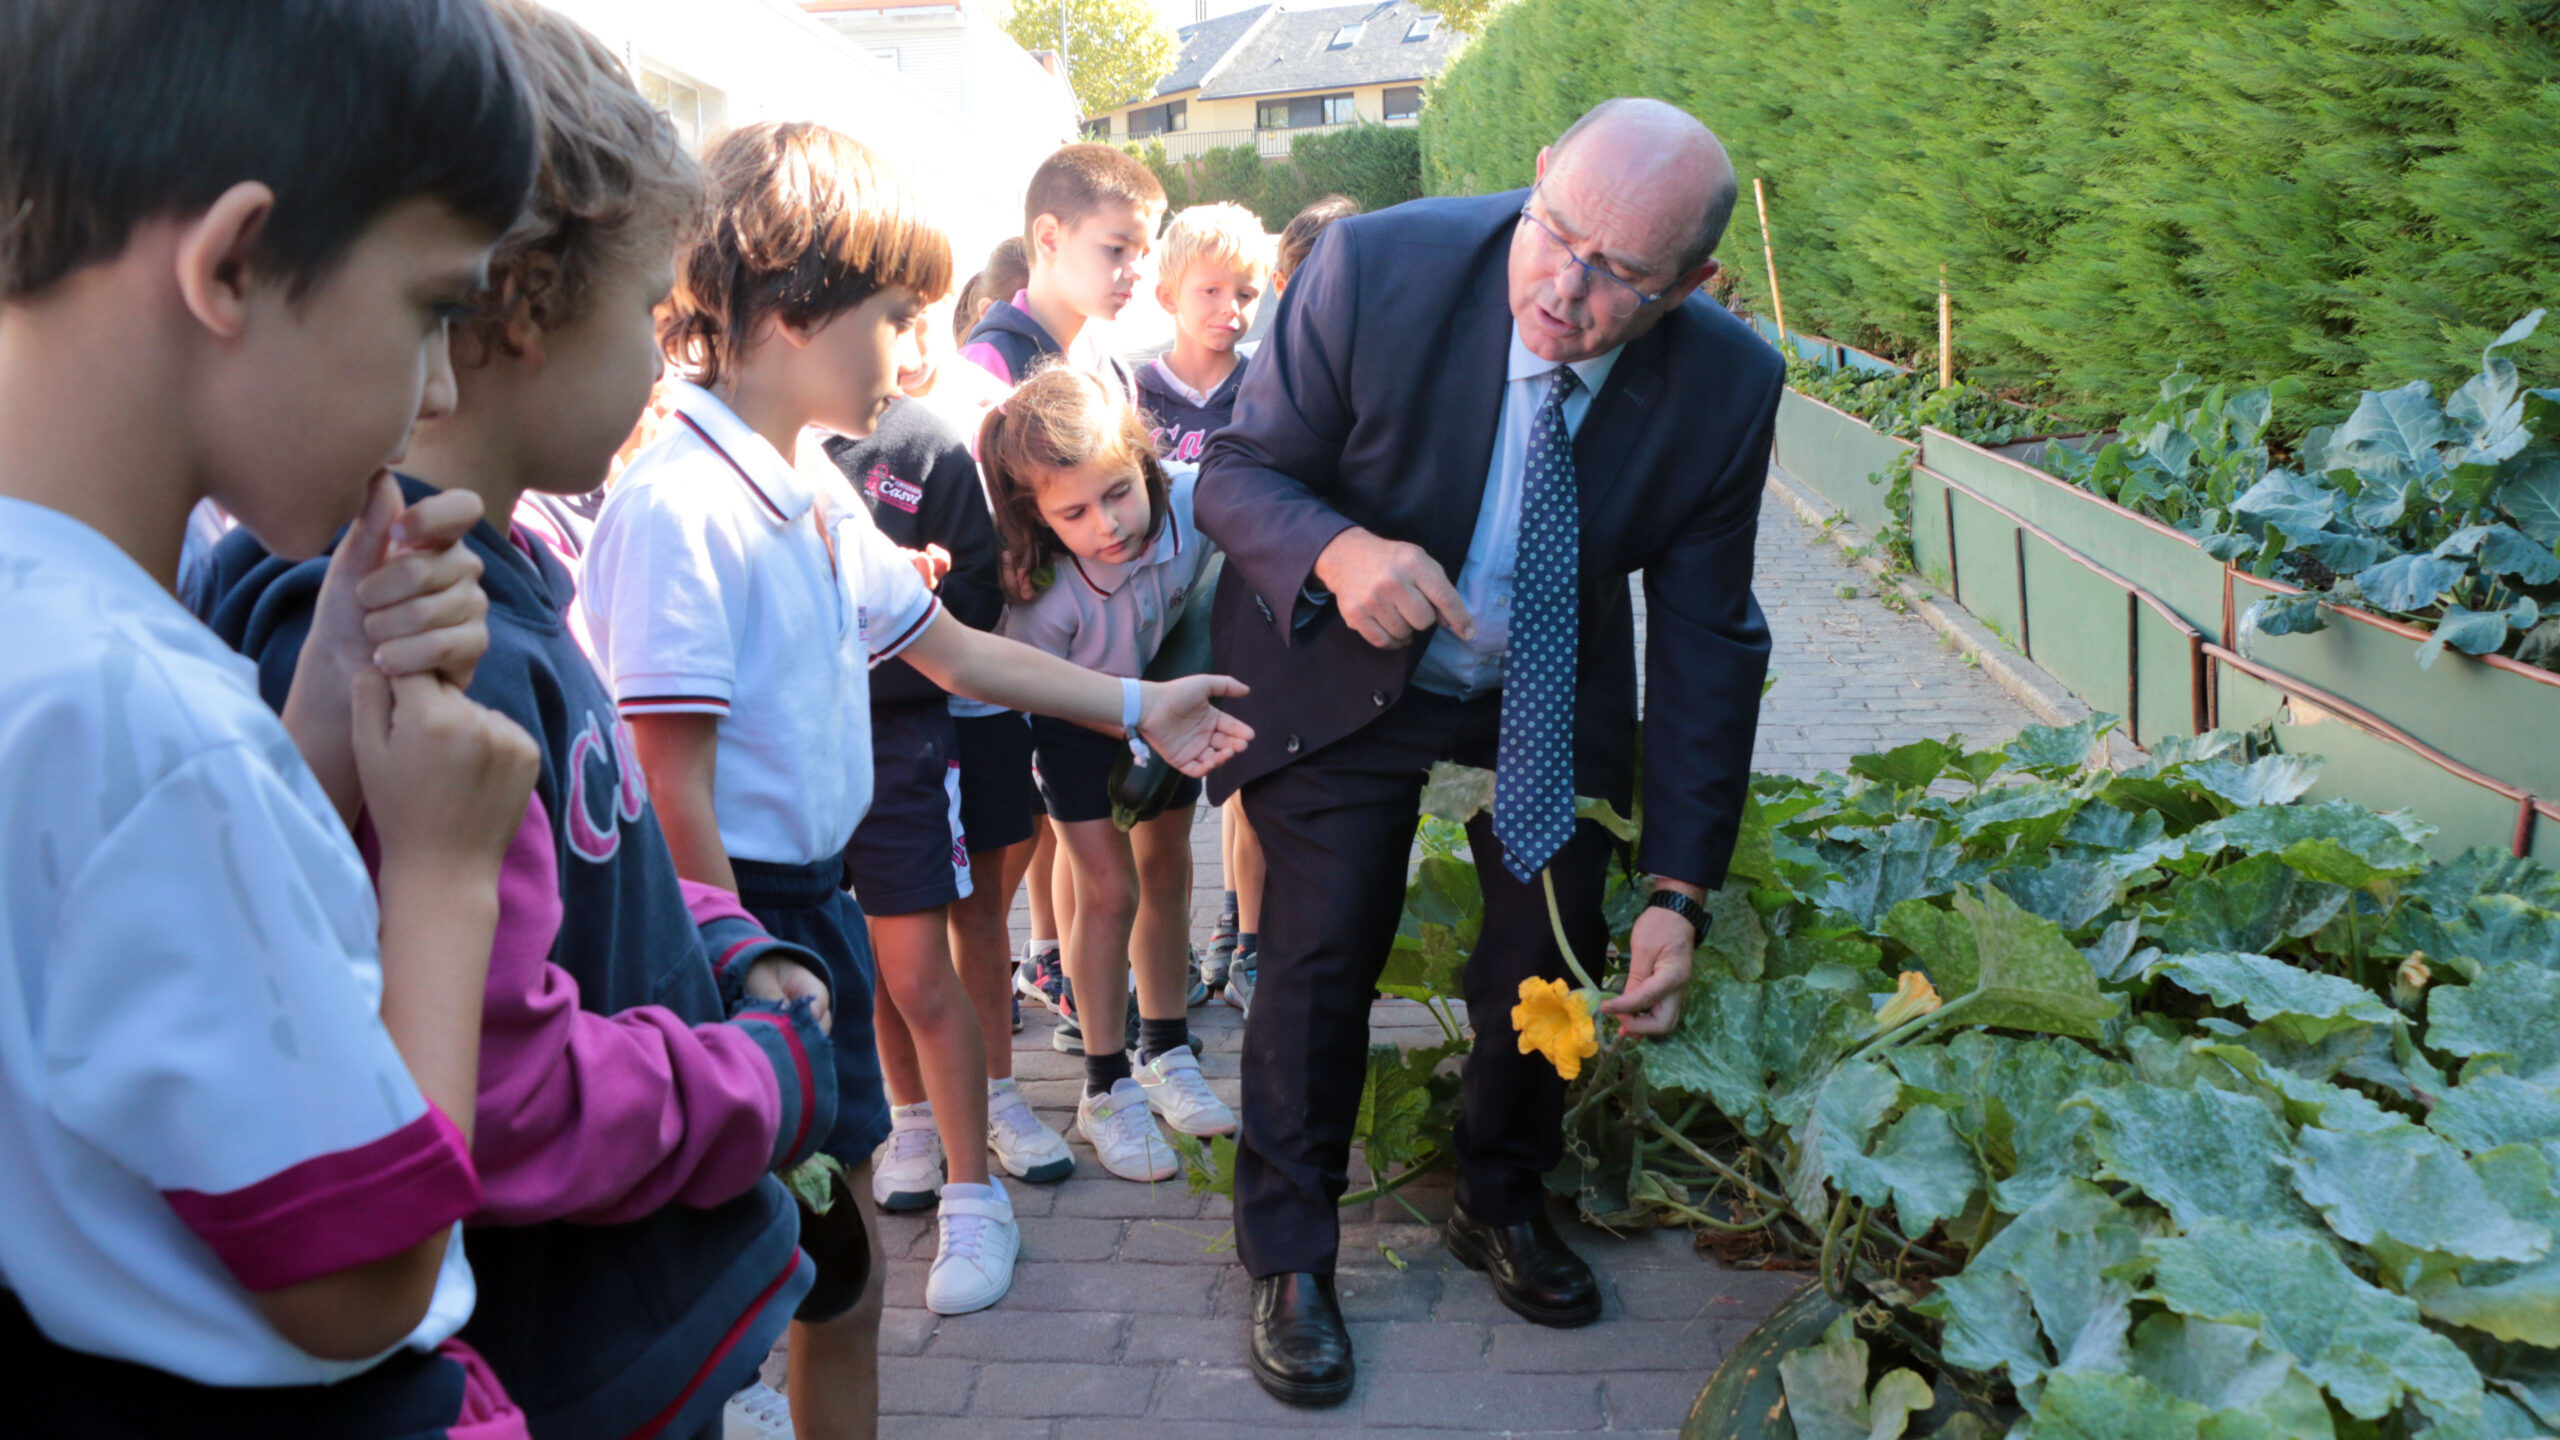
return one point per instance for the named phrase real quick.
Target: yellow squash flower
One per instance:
(1554, 1020)
(1913, 997)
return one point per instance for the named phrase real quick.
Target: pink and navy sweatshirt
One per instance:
(636, 1257)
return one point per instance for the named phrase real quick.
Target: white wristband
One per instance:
(1129, 708)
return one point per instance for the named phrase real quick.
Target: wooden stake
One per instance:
(1946, 333)
(1760, 202)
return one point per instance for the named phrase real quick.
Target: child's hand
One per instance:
(932, 562)
(444, 778)
(403, 593)
(1194, 736)
(783, 981)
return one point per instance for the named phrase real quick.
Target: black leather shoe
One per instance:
(1532, 1270)
(1300, 1352)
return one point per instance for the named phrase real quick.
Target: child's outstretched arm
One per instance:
(1174, 716)
(402, 596)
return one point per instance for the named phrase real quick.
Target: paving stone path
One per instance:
(1127, 1315)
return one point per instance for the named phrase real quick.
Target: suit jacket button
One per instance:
(1378, 698)
(1292, 746)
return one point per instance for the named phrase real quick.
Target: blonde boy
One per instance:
(1217, 263)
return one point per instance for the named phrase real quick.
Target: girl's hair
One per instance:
(1306, 227)
(1007, 271)
(613, 186)
(804, 223)
(1058, 419)
(964, 309)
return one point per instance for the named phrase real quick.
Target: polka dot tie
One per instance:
(1533, 768)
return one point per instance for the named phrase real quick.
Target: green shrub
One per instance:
(1377, 165)
(2340, 190)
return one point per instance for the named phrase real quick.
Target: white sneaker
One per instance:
(1123, 1134)
(758, 1412)
(1177, 1091)
(1023, 1142)
(906, 1171)
(973, 1262)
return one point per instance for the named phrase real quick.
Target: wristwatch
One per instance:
(1684, 907)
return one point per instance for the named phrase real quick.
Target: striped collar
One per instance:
(1106, 579)
(777, 485)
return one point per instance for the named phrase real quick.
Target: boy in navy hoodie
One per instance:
(1088, 220)
(645, 1065)
(1216, 264)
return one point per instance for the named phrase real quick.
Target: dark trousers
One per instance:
(1337, 833)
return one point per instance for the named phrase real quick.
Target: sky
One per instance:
(1178, 13)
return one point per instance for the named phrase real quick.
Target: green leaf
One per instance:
(1752, 1049)
(1920, 1166)
(2037, 812)
(2365, 1345)
(1208, 1168)
(2004, 1096)
(2491, 1110)
(1904, 861)
(2408, 583)
(2382, 844)
(1425, 967)
(1907, 767)
(2268, 780)
(2394, 433)
(2407, 1186)
(2307, 1099)
(1605, 815)
(1941, 941)
(2452, 884)
(2473, 632)
(814, 1181)
(2070, 893)
(1850, 1102)
(1395, 1126)
(2266, 988)
(2054, 751)
(1735, 934)
(2043, 1296)
(2113, 1407)
(2031, 978)
(2507, 1020)
(2253, 1391)
(2249, 908)
(1827, 1395)
(2514, 1302)
(2202, 1153)
(2531, 496)
(1457, 793)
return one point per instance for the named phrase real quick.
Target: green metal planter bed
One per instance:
(1835, 453)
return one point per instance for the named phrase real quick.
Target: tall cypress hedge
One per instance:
(2355, 192)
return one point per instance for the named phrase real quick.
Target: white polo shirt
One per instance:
(197, 1094)
(1113, 618)
(724, 580)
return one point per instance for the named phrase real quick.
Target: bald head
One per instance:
(1659, 157)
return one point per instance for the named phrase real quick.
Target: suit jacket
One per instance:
(1374, 403)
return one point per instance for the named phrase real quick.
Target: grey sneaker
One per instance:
(1239, 990)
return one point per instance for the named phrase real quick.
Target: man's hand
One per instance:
(1390, 591)
(1657, 974)
(783, 980)
(1194, 736)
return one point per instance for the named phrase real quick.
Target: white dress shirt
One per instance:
(1469, 668)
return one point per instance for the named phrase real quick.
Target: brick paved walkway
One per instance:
(1126, 1320)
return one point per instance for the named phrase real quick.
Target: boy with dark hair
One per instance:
(1088, 220)
(636, 1256)
(237, 1099)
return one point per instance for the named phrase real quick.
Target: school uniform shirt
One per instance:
(197, 1096)
(632, 1251)
(1180, 419)
(723, 580)
(915, 474)
(1113, 618)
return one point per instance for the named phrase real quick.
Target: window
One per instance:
(886, 55)
(1304, 112)
(1404, 102)
(1347, 36)
(681, 102)
(1098, 129)
(1423, 28)
(1160, 119)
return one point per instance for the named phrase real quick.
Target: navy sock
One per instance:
(1101, 1072)
(1227, 909)
(1248, 943)
(1157, 1036)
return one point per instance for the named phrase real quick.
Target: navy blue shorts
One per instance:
(1074, 770)
(908, 853)
(806, 905)
(996, 799)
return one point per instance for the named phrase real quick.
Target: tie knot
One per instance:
(1562, 387)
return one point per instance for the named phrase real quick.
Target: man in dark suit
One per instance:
(1523, 392)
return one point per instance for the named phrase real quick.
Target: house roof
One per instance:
(1272, 49)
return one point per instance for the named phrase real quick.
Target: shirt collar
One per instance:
(1527, 365)
(779, 488)
(1182, 387)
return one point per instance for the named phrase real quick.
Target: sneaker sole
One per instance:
(901, 1201)
(1158, 1178)
(973, 1306)
(1029, 989)
(1064, 1043)
(1047, 1174)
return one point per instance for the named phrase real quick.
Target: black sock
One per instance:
(1157, 1036)
(1101, 1072)
(1227, 908)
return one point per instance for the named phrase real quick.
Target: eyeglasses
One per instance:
(1608, 293)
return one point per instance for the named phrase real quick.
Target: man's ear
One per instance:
(216, 255)
(1543, 152)
(1687, 285)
